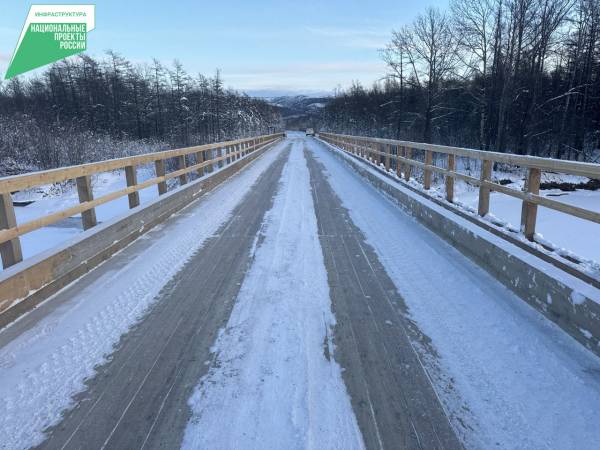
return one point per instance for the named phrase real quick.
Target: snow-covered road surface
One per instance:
(47, 364)
(295, 306)
(273, 380)
(509, 377)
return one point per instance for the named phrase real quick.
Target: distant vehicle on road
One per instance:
(310, 132)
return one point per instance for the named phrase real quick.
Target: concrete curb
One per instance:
(28, 283)
(564, 299)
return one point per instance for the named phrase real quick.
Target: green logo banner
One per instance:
(51, 33)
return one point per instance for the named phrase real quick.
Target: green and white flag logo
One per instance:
(51, 33)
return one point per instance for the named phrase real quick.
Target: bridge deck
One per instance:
(293, 307)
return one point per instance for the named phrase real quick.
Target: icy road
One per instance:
(293, 307)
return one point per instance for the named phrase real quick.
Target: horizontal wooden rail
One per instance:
(10, 231)
(370, 148)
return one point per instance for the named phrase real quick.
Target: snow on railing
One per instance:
(206, 157)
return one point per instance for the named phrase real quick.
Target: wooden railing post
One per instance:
(398, 165)
(219, 154)
(84, 191)
(200, 160)
(10, 250)
(159, 168)
(450, 179)
(211, 156)
(228, 153)
(388, 149)
(427, 172)
(131, 179)
(484, 192)
(182, 165)
(407, 167)
(528, 209)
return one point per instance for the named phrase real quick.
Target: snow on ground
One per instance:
(508, 376)
(43, 368)
(569, 233)
(271, 384)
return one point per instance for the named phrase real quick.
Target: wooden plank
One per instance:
(10, 251)
(528, 209)
(407, 167)
(131, 178)
(35, 224)
(449, 179)
(200, 160)
(210, 158)
(590, 170)
(484, 191)
(84, 191)
(399, 150)
(29, 180)
(427, 171)
(388, 149)
(159, 167)
(181, 163)
(575, 211)
(16, 231)
(220, 156)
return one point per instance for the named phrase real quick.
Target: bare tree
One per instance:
(474, 26)
(430, 48)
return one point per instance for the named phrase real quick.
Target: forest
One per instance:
(520, 76)
(85, 109)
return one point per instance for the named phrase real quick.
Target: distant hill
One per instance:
(299, 111)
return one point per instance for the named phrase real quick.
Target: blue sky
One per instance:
(258, 45)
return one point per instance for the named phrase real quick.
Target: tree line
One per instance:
(84, 109)
(521, 76)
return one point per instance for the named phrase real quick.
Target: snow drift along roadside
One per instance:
(42, 369)
(509, 377)
(271, 384)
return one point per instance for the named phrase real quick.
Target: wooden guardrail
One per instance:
(383, 151)
(206, 157)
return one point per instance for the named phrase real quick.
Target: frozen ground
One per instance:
(273, 380)
(510, 378)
